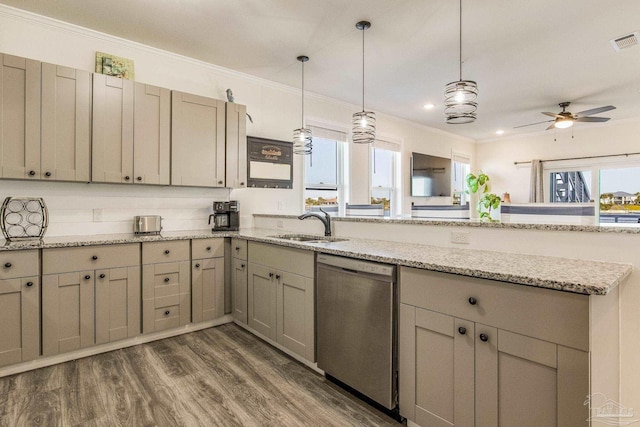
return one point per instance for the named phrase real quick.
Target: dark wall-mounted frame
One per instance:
(269, 163)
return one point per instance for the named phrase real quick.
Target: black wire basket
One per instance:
(23, 218)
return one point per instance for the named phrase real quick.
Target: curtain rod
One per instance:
(581, 158)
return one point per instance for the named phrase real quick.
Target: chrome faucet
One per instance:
(326, 220)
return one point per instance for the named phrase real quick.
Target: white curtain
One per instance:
(536, 194)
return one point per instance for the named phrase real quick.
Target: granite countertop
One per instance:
(564, 274)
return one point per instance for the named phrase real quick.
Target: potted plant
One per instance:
(480, 184)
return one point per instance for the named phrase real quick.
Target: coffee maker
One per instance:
(226, 216)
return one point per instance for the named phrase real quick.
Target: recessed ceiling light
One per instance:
(499, 132)
(429, 106)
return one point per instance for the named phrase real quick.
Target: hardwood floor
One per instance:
(220, 376)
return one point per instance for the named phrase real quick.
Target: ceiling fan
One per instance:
(565, 119)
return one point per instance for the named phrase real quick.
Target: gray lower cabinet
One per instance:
(468, 357)
(166, 285)
(281, 296)
(19, 307)
(239, 280)
(90, 295)
(207, 279)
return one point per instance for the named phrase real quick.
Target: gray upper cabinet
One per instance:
(236, 139)
(131, 131)
(19, 117)
(197, 141)
(66, 123)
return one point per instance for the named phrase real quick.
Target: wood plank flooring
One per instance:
(220, 376)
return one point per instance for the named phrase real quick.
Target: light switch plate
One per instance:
(460, 237)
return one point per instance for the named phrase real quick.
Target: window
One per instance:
(323, 171)
(385, 157)
(461, 168)
(620, 195)
(570, 187)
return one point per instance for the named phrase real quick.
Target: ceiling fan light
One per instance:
(564, 123)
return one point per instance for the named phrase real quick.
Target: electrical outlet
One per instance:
(280, 223)
(460, 237)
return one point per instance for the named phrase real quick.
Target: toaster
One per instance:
(147, 224)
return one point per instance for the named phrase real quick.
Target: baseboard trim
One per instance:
(104, 348)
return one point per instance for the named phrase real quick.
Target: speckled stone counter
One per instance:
(571, 275)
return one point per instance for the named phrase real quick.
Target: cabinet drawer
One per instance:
(239, 248)
(162, 280)
(555, 316)
(156, 252)
(298, 261)
(167, 317)
(207, 248)
(19, 264)
(85, 258)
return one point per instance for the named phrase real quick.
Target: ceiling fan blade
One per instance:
(554, 115)
(551, 126)
(531, 124)
(592, 119)
(596, 111)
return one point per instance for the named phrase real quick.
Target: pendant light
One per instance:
(302, 137)
(364, 122)
(460, 96)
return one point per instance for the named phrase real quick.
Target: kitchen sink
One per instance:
(306, 238)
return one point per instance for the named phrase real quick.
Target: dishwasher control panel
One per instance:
(357, 265)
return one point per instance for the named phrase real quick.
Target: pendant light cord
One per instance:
(363, 30)
(302, 119)
(460, 40)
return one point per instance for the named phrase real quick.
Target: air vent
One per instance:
(625, 42)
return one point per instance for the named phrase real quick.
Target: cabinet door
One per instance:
(239, 289)
(295, 309)
(207, 289)
(436, 368)
(197, 141)
(528, 382)
(20, 320)
(151, 134)
(112, 147)
(118, 296)
(166, 296)
(262, 300)
(236, 140)
(19, 117)
(66, 120)
(67, 312)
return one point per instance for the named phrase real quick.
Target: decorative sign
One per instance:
(112, 65)
(269, 163)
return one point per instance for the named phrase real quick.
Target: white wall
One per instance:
(273, 107)
(496, 158)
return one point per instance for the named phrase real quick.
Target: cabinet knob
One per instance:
(32, 173)
(220, 182)
(29, 284)
(87, 277)
(167, 251)
(7, 265)
(208, 248)
(47, 174)
(270, 274)
(95, 257)
(238, 248)
(127, 178)
(278, 276)
(197, 265)
(242, 265)
(462, 330)
(242, 184)
(484, 337)
(102, 276)
(166, 313)
(139, 178)
(473, 301)
(166, 279)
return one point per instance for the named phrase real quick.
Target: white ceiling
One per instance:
(527, 56)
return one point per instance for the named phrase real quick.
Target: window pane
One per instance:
(460, 172)
(570, 187)
(325, 199)
(620, 195)
(321, 167)
(382, 196)
(382, 168)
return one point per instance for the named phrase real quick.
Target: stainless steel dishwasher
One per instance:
(356, 305)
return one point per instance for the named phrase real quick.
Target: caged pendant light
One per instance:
(460, 96)
(364, 122)
(302, 137)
